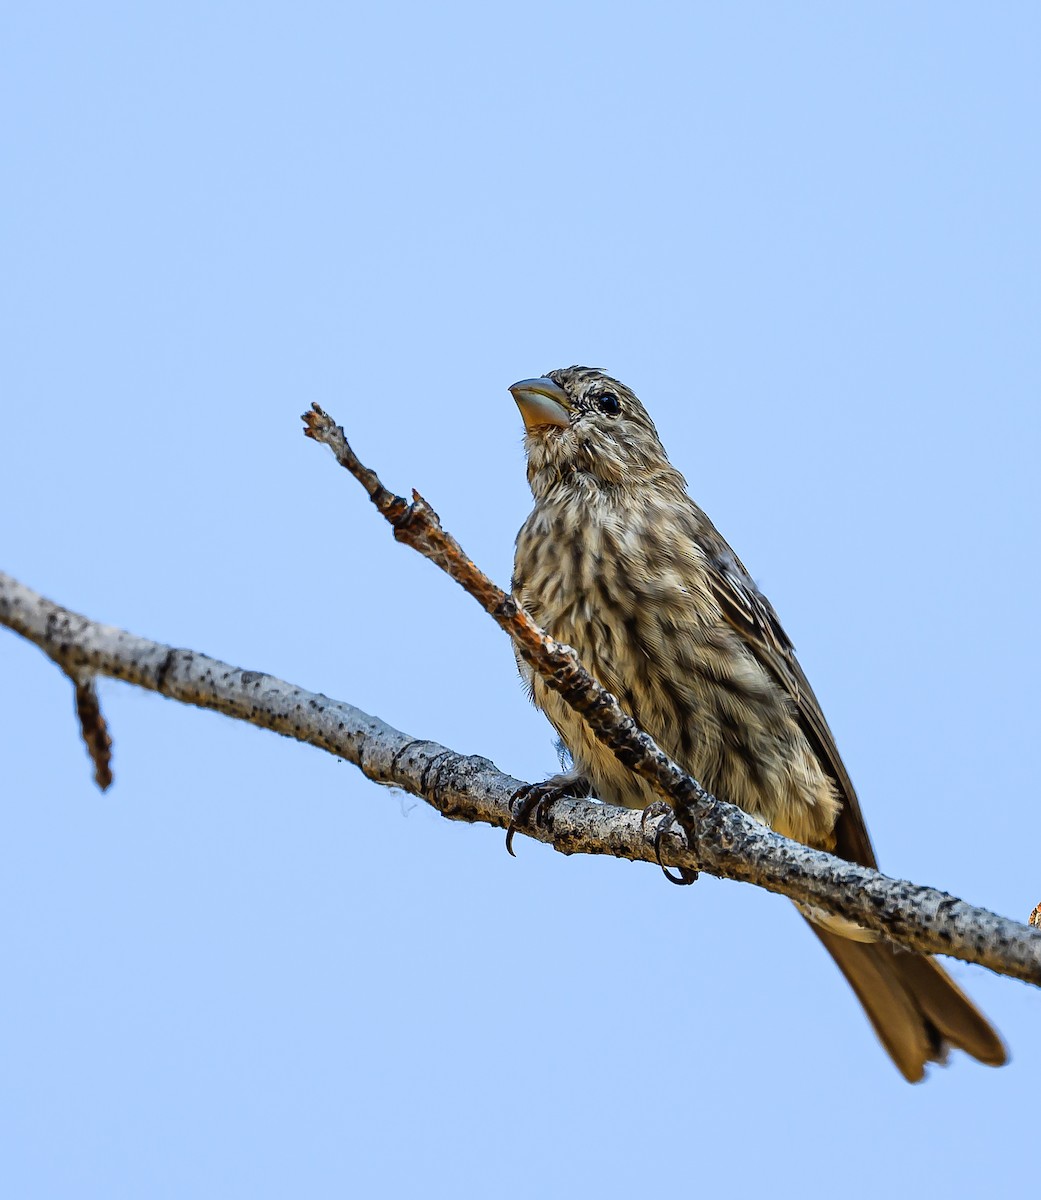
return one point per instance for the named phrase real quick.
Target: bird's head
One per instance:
(581, 423)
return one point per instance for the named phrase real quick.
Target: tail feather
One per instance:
(916, 1009)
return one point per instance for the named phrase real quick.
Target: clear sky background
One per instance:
(807, 235)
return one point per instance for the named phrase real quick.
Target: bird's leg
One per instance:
(530, 802)
(663, 813)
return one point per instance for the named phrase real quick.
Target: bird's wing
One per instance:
(753, 616)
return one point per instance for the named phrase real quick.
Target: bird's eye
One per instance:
(609, 403)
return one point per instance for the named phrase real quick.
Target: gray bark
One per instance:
(729, 844)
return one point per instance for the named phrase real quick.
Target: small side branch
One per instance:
(95, 731)
(722, 839)
(418, 526)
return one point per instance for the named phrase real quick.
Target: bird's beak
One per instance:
(541, 402)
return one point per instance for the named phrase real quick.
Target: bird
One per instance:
(617, 561)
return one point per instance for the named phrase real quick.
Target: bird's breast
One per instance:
(616, 583)
(630, 591)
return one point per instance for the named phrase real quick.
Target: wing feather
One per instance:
(753, 616)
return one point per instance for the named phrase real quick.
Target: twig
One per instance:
(95, 731)
(418, 526)
(723, 839)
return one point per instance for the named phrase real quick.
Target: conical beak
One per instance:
(541, 402)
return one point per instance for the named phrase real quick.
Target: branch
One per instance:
(719, 837)
(460, 787)
(472, 789)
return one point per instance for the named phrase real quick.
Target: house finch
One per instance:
(617, 561)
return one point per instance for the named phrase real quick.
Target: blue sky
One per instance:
(806, 234)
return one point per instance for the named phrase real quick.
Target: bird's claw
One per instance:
(530, 802)
(664, 814)
(654, 812)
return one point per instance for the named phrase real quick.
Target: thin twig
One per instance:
(95, 731)
(725, 841)
(418, 526)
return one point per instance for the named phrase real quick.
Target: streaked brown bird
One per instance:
(617, 561)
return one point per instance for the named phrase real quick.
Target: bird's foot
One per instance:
(529, 803)
(654, 812)
(660, 811)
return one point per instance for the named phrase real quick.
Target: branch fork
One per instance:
(704, 834)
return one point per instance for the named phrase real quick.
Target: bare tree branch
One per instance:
(729, 843)
(723, 839)
(464, 788)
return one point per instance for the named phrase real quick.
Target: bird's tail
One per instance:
(916, 1008)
